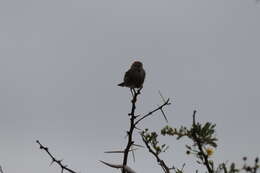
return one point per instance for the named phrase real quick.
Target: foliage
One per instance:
(204, 143)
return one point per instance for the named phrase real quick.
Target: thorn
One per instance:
(161, 96)
(52, 162)
(138, 128)
(111, 165)
(167, 101)
(119, 151)
(133, 154)
(137, 115)
(138, 145)
(163, 114)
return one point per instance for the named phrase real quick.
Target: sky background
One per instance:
(61, 61)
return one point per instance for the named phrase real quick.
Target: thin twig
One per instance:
(165, 168)
(167, 102)
(54, 160)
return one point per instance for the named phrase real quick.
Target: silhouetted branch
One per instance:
(133, 123)
(200, 144)
(131, 129)
(54, 160)
(165, 168)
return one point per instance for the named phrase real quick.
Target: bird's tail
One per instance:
(121, 84)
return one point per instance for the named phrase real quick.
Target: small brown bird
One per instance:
(134, 77)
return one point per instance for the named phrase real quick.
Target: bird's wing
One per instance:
(128, 76)
(143, 77)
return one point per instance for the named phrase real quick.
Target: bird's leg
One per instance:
(131, 89)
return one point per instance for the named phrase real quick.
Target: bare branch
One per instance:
(54, 160)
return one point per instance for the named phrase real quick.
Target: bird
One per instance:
(134, 77)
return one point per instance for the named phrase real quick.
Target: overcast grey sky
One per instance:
(60, 62)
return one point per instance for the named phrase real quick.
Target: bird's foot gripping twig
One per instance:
(132, 91)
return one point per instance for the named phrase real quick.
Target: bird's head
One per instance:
(137, 65)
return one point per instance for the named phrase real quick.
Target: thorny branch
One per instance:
(54, 160)
(150, 113)
(131, 129)
(133, 124)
